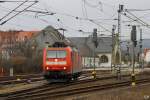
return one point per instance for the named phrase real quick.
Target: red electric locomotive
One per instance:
(61, 63)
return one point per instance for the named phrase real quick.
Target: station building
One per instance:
(87, 49)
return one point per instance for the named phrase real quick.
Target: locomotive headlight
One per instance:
(64, 68)
(56, 60)
(47, 68)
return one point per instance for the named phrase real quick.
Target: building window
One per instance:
(104, 59)
(25, 38)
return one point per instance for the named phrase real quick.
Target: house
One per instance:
(87, 49)
(9, 41)
(46, 37)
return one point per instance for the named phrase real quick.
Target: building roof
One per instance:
(104, 44)
(86, 46)
(27, 34)
(47, 35)
(81, 44)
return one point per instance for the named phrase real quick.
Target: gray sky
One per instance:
(101, 11)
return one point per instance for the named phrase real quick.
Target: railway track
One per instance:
(88, 89)
(46, 90)
(6, 78)
(48, 87)
(20, 79)
(28, 78)
(62, 93)
(24, 78)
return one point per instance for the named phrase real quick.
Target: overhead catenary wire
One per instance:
(134, 20)
(84, 10)
(138, 19)
(76, 30)
(38, 11)
(100, 26)
(76, 17)
(138, 10)
(69, 15)
(99, 4)
(91, 5)
(107, 4)
(18, 13)
(129, 17)
(65, 14)
(13, 10)
(3, 1)
(30, 16)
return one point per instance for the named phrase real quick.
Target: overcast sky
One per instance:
(73, 14)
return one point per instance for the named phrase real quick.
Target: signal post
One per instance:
(95, 42)
(134, 43)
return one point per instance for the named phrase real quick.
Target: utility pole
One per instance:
(141, 58)
(118, 52)
(134, 43)
(119, 18)
(113, 33)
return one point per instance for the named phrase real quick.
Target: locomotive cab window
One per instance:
(56, 54)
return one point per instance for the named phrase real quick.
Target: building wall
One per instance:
(88, 62)
(108, 64)
(9, 40)
(147, 55)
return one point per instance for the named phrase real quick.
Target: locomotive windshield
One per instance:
(56, 54)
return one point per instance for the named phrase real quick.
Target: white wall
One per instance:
(109, 60)
(147, 56)
(89, 61)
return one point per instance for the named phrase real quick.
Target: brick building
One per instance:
(10, 42)
(10, 39)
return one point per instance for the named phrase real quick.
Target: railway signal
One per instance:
(133, 35)
(95, 37)
(95, 46)
(140, 54)
(134, 43)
